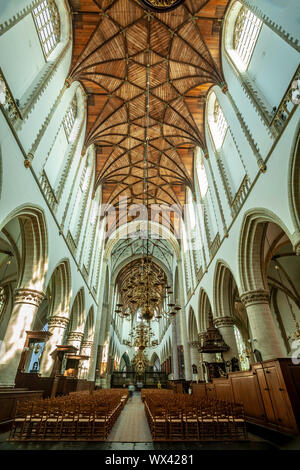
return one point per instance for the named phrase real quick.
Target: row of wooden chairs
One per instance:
(174, 417)
(76, 417)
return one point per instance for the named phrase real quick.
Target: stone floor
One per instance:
(131, 432)
(131, 425)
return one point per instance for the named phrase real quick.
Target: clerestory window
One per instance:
(70, 118)
(46, 17)
(246, 31)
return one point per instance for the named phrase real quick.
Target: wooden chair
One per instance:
(191, 426)
(175, 424)
(159, 425)
(21, 419)
(68, 422)
(84, 422)
(100, 427)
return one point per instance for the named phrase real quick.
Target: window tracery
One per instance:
(46, 18)
(202, 177)
(218, 124)
(246, 31)
(244, 361)
(70, 118)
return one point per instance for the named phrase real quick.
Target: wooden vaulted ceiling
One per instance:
(114, 40)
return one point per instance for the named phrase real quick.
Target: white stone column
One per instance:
(201, 374)
(26, 304)
(56, 326)
(262, 324)
(195, 359)
(182, 316)
(174, 350)
(75, 339)
(84, 365)
(226, 327)
(186, 348)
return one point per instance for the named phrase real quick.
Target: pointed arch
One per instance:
(89, 327)
(78, 312)
(204, 310)
(225, 290)
(192, 326)
(251, 247)
(34, 256)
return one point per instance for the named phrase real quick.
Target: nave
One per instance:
(149, 223)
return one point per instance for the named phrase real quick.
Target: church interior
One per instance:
(149, 224)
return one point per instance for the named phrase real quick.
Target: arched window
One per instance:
(81, 198)
(202, 177)
(246, 31)
(61, 146)
(227, 152)
(210, 222)
(244, 362)
(217, 122)
(70, 117)
(46, 18)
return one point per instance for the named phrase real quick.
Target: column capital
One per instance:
(57, 321)
(87, 344)
(195, 344)
(253, 297)
(75, 336)
(220, 322)
(29, 296)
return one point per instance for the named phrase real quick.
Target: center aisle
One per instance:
(131, 425)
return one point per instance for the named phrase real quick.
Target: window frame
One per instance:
(47, 22)
(245, 35)
(70, 118)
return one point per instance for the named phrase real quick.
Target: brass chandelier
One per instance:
(141, 337)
